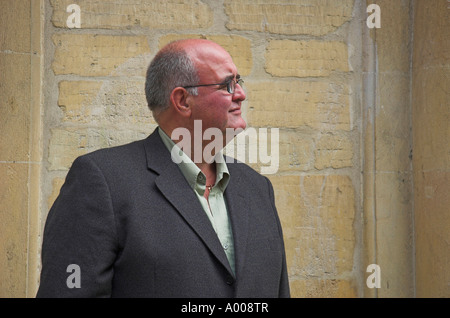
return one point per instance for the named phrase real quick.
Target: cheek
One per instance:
(213, 111)
(217, 107)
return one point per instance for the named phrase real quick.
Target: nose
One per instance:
(239, 93)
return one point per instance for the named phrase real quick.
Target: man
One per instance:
(136, 224)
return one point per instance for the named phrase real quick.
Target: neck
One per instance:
(208, 167)
(209, 170)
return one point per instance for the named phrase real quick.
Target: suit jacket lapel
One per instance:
(238, 209)
(177, 191)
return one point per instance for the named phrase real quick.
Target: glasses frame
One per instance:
(231, 88)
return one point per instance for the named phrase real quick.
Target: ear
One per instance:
(180, 100)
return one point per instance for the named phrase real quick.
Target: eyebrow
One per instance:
(230, 77)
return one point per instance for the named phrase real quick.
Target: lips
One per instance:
(235, 110)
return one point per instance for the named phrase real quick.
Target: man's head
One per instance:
(181, 86)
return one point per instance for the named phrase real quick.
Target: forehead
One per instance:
(212, 61)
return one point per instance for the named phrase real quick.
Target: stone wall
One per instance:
(338, 91)
(387, 181)
(21, 160)
(298, 76)
(431, 152)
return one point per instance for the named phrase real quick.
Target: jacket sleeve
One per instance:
(80, 240)
(284, 290)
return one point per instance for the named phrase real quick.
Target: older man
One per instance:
(134, 223)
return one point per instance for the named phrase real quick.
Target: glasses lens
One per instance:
(230, 87)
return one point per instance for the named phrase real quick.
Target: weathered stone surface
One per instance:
(152, 14)
(98, 55)
(432, 243)
(302, 62)
(323, 288)
(296, 151)
(15, 107)
(104, 102)
(393, 127)
(431, 148)
(303, 151)
(394, 37)
(317, 213)
(68, 143)
(312, 17)
(431, 118)
(292, 104)
(13, 229)
(306, 58)
(333, 151)
(394, 232)
(15, 26)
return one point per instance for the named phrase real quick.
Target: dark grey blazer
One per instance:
(128, 218)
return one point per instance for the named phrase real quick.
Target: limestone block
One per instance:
(394, 195)
(289, 205)
(15, 26)
(282, 151)
(333, 151)
(394, 233)
(15, 107)
(432, 242)
(393, 143)
(66, 144)
(296, 151)
(394, 37)
(431, 118)
(151, 14)
(312, 17)
(13, 229)
(239, 48)
(75, 99)
(323, 288)
(301, 151)
(431, 34)
(306, 58)
(431, 157)
(317, 214)
(104, 102)
(291, 104)
(100, 55)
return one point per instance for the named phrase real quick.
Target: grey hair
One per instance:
(172, 67)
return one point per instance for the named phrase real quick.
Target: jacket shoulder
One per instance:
(116, 157)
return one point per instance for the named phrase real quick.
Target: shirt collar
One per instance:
(193, 175)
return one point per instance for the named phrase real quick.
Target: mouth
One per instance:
(235, 110)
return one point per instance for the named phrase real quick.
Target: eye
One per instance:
(224, 85)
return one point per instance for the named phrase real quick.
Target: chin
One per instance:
(238, 124)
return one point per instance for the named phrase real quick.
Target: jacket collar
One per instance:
(158, 157)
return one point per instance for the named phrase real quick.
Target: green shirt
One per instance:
(215, 206)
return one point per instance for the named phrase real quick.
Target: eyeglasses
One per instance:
(230, 84)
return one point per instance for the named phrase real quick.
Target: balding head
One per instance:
(194, 79)
(176, 65)
(172, 67)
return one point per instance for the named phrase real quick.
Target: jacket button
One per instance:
(230, 280)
